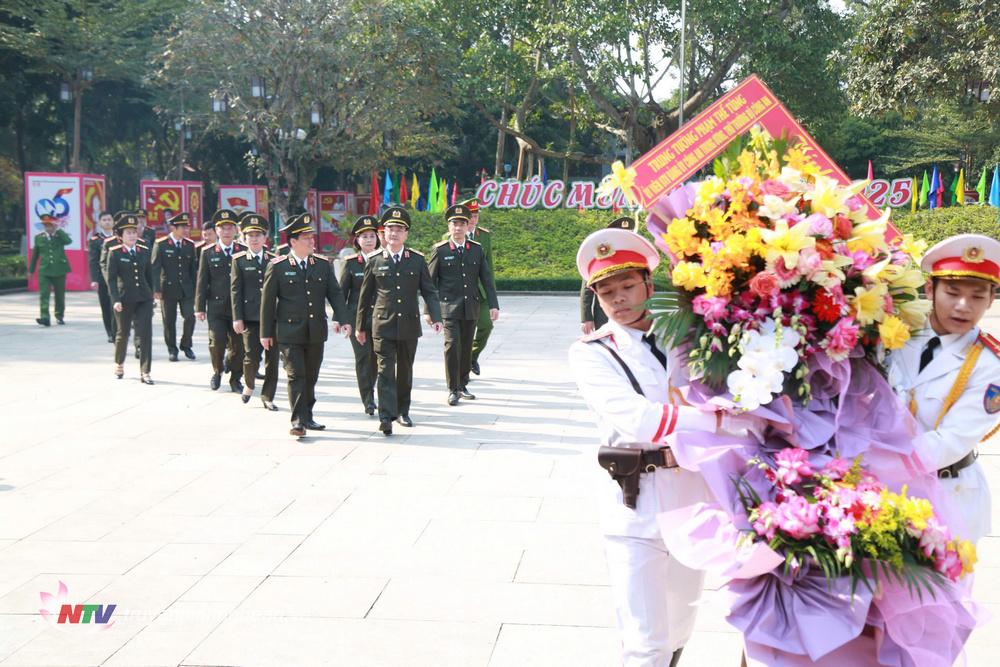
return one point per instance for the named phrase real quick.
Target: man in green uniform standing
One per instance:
(482, 236)
(365, 232)
(175, 271)
(392, 281)
(247, 281)
(213, 301)
(459, 270)
(105, 223)
(130, 282)
(293, 317)
(49, 256)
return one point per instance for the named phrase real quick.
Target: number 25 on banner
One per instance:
(896, 193)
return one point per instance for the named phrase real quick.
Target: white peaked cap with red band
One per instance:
(608, 252)
(964, 256)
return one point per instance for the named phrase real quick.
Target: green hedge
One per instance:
(933, 226)
(12, 266)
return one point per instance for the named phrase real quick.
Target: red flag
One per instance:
(376, 196)
(454, 193)
(482, 176)
(404, 194)
(871, 172)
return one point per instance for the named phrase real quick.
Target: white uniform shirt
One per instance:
(626, 419)
(962, 428)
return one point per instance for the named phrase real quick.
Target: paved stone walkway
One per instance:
(468, 540)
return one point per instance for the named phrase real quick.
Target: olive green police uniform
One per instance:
(484, 326)
(460, 273)
(48, 255)
(293, 313)
(130, 282)
(247, 281)
(389, 297)
(175, 273)
(365, 363)
(213, 296)
(94, 245)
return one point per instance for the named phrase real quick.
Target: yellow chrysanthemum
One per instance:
(894, 332)
(718, 283)
(786, 242)
(748, 164)
(798, 158)
(688, 276)
(709, 190)
(737, 250)
(869, 304)
(966, 553)
(682, 237)
(719, 226)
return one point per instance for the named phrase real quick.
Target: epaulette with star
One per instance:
(441, 243)
(415, 252)
(114, 247)
(240, 254)
(473, 242)
(990, 343)
(279, 258)
(480, 228)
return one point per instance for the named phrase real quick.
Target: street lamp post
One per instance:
(179, 126)
(66, 96)
(680, 108)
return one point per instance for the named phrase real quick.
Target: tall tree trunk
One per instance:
(22, 155)
(77, 111)
(501, 144)
(572, 132)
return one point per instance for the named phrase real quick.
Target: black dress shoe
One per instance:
(145, 379)
(111, 339)
(246, 397)
(236, 386)
(44, 323)
(475, 367)
(453, 398)
(225, 366)
(59, 320)
(260, 376)
(405, 420)
(188, 353)
(137, 354)
(269, 405)
(216, 382)
(314, 426)
(466, 394)
(370, 409)
(386, 427)
(173, 356)
(297, 430)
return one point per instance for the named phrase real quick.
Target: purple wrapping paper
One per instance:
(805, 619)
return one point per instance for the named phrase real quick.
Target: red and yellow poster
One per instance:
(675, 159)
(163, 199)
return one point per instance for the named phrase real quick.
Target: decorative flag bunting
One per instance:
(404, 195)
(981, 187)
(925, 190)
(387, 193)
(376, 196)
(415, 195)
(913, 196)
(871, 172)
(960, 188)
(995, 188)
(432, 193)
(454, 193)
(932, 200)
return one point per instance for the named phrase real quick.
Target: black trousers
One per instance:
(253, 351)
(302, 363)
(225, 345)
(107, 312)
(458, 337)
(395, 375)
(366, 368)
(168, 311)
(139, 314)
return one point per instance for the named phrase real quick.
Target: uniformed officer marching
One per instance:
(484, 237)
(591, 315)
(146, 233)
(214, 301)
(626, 378)
(247, 280)
(365, 232)
(105, 225)
(458, 268)
(49, 250)
(175, 272)
(130, 282)
(293, 317)
(389, 310)
(110, 243)
(949, 375)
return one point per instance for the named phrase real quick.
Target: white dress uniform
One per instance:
(962, 426)
(653, 593)
(956, 397)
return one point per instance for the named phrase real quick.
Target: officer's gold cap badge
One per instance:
(604, 250)
(973, 255)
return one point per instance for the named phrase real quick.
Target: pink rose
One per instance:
(841, 339)
(820, 225)
(798, 518)
(809, 262)
(764, 284)
(793, 465)
(712, 308)
(776, 188)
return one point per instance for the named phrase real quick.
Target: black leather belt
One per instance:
(658, 458)
(950, 472)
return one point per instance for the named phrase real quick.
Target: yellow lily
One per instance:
(786, 243)
(620, 178)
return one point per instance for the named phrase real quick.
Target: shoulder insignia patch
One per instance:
(441, 243)
(991, 400)
(473, 242)
(111, 239)
(597, 335)
(480, 228)
(240, 254)
(278, 259)
(990, 343)
(418, 254)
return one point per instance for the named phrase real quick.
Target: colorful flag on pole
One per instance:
(415, 194)
(995, 187)
(387, 192)
(932, 200)
(925, 190)
(960, 188)
(454, 193)
(913, 196)
(404, 195)
(871, 172)
(545, 174)
(432, 192)
(981, 187)
(376, 196)
(442, 204)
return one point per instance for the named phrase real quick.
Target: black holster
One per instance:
(624, 465)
